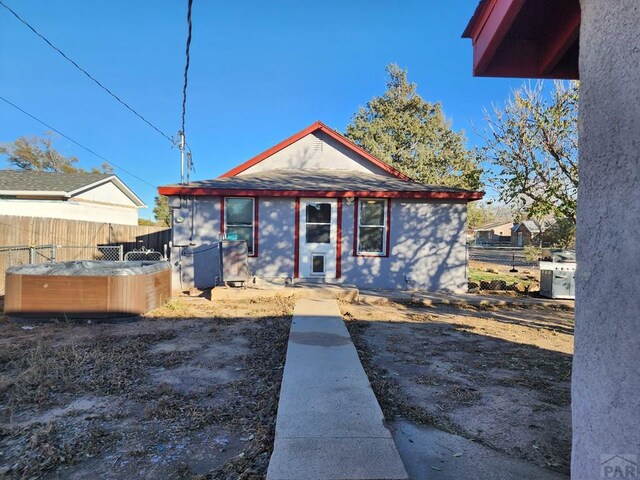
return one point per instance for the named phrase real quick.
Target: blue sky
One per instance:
(260, 71)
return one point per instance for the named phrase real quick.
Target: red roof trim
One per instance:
(195, 191)
(303, 133)
(504, 45)
(339, 241)
(296, 239)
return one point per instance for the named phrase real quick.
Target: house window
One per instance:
(318, 223)
(372, 227)
(239, 220)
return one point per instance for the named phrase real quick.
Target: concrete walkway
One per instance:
(329, 423)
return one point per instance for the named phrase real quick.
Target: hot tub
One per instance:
(86, 289)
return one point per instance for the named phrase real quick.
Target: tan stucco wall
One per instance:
(606, 369)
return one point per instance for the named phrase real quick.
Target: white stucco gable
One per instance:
(316, 151)
(317, 147)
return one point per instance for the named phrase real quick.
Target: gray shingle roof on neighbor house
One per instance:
(33, 181)
(318, 180)
(532, 226)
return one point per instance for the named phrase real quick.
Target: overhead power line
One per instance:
(182, 133)
(74, 141)
(96, 81)
(186, 66)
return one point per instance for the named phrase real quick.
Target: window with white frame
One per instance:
(239, 218)
(372, 226)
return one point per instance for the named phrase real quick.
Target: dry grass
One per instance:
(90, 400)
(470, 371)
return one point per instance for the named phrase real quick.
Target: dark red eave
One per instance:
(202, 191)
(303, 133)
(525, 38)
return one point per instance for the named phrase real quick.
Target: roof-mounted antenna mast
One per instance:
(181, 134)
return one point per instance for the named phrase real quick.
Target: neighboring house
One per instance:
(494, 232)
(94, 197)
(529, 232)
(525, 233)
(316, 207)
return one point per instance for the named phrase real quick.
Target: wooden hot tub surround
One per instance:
(87, 289)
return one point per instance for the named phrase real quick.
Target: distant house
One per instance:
(316, 207)
(494, 232)
(525, 233)
(94, 197)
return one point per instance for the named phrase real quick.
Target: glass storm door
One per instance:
(318, 236)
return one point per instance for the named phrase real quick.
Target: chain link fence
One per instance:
(30, 255)
(512, 257)
(67, 253)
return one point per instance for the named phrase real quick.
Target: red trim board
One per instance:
(303, 133)
(339, 241)
(205, 191)
(296, 240)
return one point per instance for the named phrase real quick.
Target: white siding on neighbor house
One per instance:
(70, 210)
(427, 247)
(106, 193)
(316, 151)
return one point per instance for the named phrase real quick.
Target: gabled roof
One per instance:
(318, 183)
(57, 184)
(530, 225)
(317, 126)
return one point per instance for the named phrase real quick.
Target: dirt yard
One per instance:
(188, 391)
(500, 377)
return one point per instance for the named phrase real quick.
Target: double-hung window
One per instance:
(239, 220)
(372, 226)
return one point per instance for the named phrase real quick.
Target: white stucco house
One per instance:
(316, 207)
(93, 197)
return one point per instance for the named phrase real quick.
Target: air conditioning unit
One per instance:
(235, 261)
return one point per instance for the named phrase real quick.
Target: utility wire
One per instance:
(186, 66)
(97, 81)
(77, 143)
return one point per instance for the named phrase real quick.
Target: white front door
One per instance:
(318, 237)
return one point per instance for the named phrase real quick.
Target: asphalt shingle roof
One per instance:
(32, 181)
(318, 180)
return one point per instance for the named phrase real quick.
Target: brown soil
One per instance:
(497, 376)
(188, 391)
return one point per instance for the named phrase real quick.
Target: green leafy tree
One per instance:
(414, 136)
(162, 210)
(533, 143)
(37, 153)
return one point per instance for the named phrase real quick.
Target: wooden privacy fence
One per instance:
(28, 240)
(57, 231)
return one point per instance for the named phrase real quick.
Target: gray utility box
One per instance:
(558, 274)
(234, 259)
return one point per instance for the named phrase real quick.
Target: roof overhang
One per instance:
(36, 193)
(117, 182)
(525, 38)
(437, 195)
